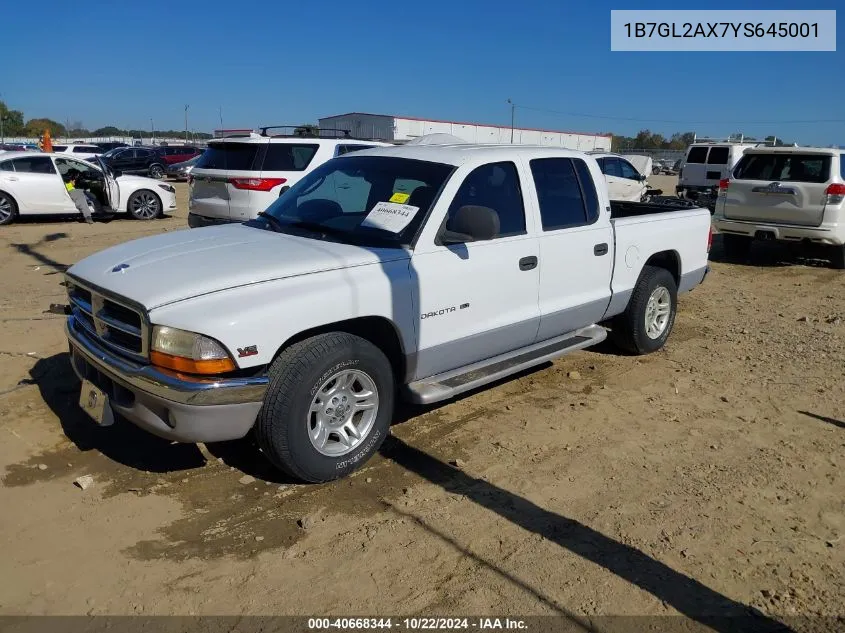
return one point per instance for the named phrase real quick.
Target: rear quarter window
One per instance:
(289, 156)
(811, 168)
(697, 155)
(234, 156)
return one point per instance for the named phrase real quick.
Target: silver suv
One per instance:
(238, 176)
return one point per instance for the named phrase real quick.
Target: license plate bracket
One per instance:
(96, 404)
(764, 235)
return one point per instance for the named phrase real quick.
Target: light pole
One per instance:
(513, 108)
(2, 133)
(186, 124)
(152, 131)
(220, 112)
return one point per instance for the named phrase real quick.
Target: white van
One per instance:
(705, 165)
(238, 176)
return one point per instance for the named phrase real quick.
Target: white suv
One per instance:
(239, 176)
(793, 194)
(78, 150)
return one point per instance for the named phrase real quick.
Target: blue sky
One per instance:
(276, 63)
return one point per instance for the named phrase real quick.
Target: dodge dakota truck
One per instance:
(418, 272)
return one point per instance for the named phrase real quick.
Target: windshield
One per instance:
(375, 200)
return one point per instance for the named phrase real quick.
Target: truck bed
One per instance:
(659, 204)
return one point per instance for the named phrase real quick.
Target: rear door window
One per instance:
(697, 155)
(289, 156)
(59, 148)
(718, 156)
(234, 156)
(811, 168)
(7, 165)
(559, 192)
(34, 165)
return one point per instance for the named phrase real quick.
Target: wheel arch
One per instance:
(378, 330)
(669, 260)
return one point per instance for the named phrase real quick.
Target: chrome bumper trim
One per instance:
(157, 382)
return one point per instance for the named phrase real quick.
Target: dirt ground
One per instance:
(703, 479)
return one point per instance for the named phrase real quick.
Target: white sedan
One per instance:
(624, 182)
(32, 184)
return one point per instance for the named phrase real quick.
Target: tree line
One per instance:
(646, 139)
(14, 124)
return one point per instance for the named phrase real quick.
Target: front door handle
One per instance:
(600, 249)
(528, 263)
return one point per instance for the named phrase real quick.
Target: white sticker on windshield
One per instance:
(390, 216)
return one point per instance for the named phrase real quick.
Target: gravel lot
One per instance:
(703, 479)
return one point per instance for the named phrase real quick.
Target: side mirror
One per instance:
(642, 178)
(472, 224)
(283, 189)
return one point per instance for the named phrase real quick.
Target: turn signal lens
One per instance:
(189, 366)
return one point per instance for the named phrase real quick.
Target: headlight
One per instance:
(188, 352)
(168, 188)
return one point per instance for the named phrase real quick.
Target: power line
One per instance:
(678, 121)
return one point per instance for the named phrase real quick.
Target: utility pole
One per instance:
(186, 124)
(152, 131)
(513, 108)
(220, 112)
(2, 134)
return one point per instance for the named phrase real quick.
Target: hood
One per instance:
(162, 269)
(140, 180)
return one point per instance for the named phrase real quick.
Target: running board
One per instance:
(456, 381)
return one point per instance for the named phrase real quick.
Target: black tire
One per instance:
(8, 208)
(144, 205)
(296, 376)
(737, 248)
(655, 170)
(157, 171)
(629, 329)
(837, 257)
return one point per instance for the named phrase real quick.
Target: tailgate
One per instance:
(779, 189)
(209, 194)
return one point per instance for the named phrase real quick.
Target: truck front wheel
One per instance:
(647, 321)
(328, 406)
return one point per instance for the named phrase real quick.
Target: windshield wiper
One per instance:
(273, 221)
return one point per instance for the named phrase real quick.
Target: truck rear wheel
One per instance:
(328, 406)
(648, 320)
(737, 248)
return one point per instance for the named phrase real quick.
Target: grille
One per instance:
(114, 324)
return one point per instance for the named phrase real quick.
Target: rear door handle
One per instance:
(528, 263)
(600, 249)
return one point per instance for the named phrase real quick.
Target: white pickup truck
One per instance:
(422, 271)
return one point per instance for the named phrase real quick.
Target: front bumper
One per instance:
(174, 406)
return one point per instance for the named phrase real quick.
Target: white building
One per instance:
(400, 129)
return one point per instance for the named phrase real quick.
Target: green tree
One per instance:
(307, 129)
(36, 127)
(12, 121)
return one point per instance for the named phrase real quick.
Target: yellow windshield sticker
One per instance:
(399, 197)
